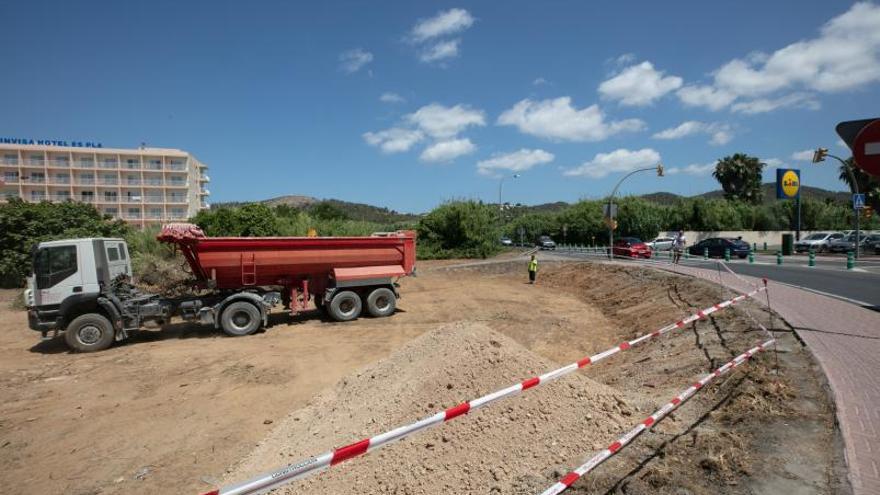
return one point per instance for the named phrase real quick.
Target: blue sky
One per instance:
(407, 104)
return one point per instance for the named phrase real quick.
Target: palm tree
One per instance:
(740, 177)
(867, 184)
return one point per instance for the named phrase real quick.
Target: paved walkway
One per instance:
(845, 339)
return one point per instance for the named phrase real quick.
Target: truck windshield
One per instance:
(54, 264)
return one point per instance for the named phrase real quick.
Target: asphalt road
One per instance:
(829, 276)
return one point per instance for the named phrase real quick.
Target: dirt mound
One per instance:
(518, 445)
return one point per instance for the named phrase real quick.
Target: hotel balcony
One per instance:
(204, 178)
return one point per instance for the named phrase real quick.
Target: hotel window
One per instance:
(178, 164)
(10, 159)
(86, 162)
(36, 159)
(38, 195)
(177, 213)
(109, 163)
(155, 212)
(154, 164)
(86, 179)
(134, 212)
(109, 179)
(62, 178)
(10, 176)
(133, 163)
(111, 211)
(61, 161)
(87, 196)
(38, 177)
(133, 180)
(110, 196)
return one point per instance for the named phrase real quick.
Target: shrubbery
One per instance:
(23, 225)
(459, 229)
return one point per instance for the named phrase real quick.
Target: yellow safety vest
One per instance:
(533, 265)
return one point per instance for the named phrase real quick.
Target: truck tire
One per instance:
(345, 306)
(381, 302)
(240, 318)
(90, 332)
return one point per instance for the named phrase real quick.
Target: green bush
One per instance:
(23, 225)
(459, 229)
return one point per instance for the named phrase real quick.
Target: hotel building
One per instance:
(141, 186)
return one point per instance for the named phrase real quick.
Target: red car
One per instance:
(631, 247)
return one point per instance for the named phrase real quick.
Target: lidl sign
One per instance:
(788, 183)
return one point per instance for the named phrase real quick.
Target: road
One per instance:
(829, 277)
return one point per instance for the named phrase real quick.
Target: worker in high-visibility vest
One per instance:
(533, 269)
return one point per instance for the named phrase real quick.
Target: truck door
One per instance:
(57, 273)
(117, 259)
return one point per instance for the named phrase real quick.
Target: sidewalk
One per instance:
(845, 340)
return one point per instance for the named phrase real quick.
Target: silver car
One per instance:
(819, 242)
(662, 243)
(848, 243)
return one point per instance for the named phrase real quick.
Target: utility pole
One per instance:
(658, 169)
(819, 156)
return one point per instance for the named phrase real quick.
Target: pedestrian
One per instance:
(533, 269)
(678, 245)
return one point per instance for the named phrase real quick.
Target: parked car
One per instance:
(545, 242)
(819, 242)
(717, 245)
(848, 243)
(505, 241)
(872, 243)
(662, 243)
(631, 247)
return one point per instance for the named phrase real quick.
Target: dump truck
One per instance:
(82, 287)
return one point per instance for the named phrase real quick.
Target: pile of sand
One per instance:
(517, 445)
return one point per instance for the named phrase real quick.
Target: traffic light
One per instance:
(819, 155)
(867, 212)
(659, 170)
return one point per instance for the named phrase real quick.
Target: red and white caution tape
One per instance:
(312, 465)
(561, 485)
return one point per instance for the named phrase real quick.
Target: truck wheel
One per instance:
(240, 318)
(381, 302)
(345, 306)
(89, 333)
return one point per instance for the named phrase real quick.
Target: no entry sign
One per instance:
(866, 148)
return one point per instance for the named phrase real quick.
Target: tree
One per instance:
(250, 220)
(459, 229)
(23, 225)
(740, 177)
(868, 185)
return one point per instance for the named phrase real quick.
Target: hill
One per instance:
(354, 211)
(769, 189)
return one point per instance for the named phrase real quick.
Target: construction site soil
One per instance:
(184, 409)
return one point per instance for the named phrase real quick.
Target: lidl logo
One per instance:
(788, 183)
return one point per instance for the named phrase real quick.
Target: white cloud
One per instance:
(354, 60)
(844, 56)
(626, 58)
(442, 122)
(639, 85)
(445, 151)
(440, 51)
(721, 133)
(621, 160)
(802, 156)
(394, 140)
(390, 97)
(557, 119)
(444, 23)
(705, 96)
(762, 105)
(539, 82)
(692, 169)
(517, 161)
(772, 162)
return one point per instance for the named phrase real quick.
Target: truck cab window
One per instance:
(54, 264)
(112, 254)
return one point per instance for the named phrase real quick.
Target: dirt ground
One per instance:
(176, 410)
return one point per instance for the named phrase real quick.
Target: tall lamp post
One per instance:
(818, 157)
(658, 168)
(500, 190)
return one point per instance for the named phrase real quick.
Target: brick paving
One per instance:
(845, 340)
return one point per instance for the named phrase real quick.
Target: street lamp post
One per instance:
(658, 169)
(500, 190)
(819, 156)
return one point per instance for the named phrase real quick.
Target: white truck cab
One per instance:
(68, 279)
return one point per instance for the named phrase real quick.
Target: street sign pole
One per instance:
(797, 233)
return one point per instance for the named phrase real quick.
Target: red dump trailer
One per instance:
(80, 286)
(332, 270)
